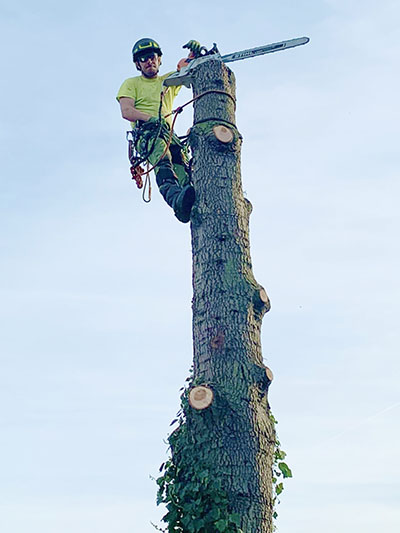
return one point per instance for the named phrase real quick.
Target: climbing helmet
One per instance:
(143, 46)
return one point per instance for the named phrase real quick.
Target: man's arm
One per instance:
(129, 111)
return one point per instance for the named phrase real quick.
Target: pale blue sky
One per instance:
(96, 285)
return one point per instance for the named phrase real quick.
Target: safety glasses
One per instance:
(146, 57)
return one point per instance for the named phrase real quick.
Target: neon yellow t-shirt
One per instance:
(146, 94)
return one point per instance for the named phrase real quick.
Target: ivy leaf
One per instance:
(235, 518)
(279, 488)
(214, 514)
(186, 520)
(221, 525)
(283, 467)
(198, 524)
(160, 497)
(280, 454)
(272, 418)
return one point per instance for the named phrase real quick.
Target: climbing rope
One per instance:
(217, 91)
(147, 187)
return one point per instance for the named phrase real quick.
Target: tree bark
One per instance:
(235, 436)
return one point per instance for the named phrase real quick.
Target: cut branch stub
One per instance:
(269, 373)
(223, 134)
(201, 397)
(261, 301)
(264, 297)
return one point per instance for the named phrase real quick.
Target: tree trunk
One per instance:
(222, 451)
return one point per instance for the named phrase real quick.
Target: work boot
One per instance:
(184, 203)
(181, 199)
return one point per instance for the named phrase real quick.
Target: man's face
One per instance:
(149, 64)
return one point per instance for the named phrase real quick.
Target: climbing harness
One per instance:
(136, 159)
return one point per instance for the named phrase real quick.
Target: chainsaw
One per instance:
(184, 76)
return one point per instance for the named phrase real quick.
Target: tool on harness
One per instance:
(134, 159)
(137, 173)
(137, 170)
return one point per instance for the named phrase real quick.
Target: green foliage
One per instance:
(286, 472)
(195, 500)
(279, 469)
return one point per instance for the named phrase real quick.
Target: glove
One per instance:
(194, 47)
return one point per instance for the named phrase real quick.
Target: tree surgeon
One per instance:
(148, 106)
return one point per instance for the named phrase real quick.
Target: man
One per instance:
(139, 99)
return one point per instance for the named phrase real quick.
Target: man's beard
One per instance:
(152, 76)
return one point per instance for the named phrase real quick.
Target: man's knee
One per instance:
(164, 162)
